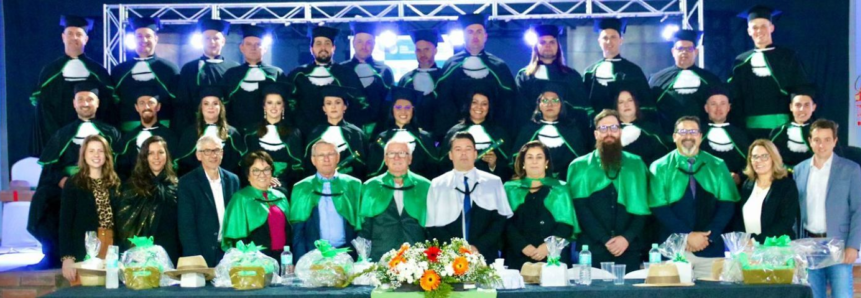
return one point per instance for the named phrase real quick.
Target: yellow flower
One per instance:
(430, 281)
(460, 266)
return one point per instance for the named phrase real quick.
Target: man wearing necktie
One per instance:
(467, 203)
(692, 192)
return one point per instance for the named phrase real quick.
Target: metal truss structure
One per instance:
(287, 13)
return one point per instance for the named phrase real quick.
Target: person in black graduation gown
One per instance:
(147, 106)
(401, 126)
(59, 161)
(792, 137)
(243, 99)
(553, 126)
(89, 204)
(211, 120)
(682, 89)
(542, 208)
(57, 82)
(208, 70)
(763, 77)
(640, 136)
(472, 66)
(308, 79)
(548, 64)
(375, 76)
(348, 139)
(148, 203)
(479, 120)
(424, 78)
(724, 140)
(277, 137)
(601, 78)
(146, 69)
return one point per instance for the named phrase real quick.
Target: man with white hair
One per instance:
(202, 196)
(394, 204)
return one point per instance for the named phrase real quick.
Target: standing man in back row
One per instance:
(376, 78)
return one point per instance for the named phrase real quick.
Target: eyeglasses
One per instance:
(326, 155)
(688, 132)
(545, 100)
(404, 107)
(761, 157)
(210, 152)
(605, 128)
(690, 49)
(264, 172)
(401, 154)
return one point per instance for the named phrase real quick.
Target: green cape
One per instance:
(345, 194)
(557, 201)
(670, 178)
(378, 192)
(248, 211)
(586, 176)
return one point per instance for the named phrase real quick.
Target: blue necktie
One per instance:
(692, 183)
(467, 205)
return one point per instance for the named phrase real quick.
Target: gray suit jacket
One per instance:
(842, 203)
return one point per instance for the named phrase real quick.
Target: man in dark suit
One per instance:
(203, 194)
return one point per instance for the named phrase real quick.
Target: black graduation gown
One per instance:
(78, 215)
(127, 148)
(201, 72)
(649, 146)
(424, 155)
(675, 100)
(426, 106)
(287, 154)
(54, 95)
(499, 143)
(560, 156)
(602, 218)
(234, 148)
(353, 159)
(756, 95)
(487, 223)
(454, 81)
(780, 138)
(575, 95)
(154, 216)
(627, 73)
(736, 158)
(244, 101)
(376, 88)
(388, 230)
(530, 225)
(153, 71)
(308, 101)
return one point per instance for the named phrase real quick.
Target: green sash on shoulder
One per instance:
(586, 176)
(670, 178)
(247, 211)
(345, 194)
(378, 193)
(558, 201)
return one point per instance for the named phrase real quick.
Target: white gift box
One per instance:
(192, 280)
(511, 279)
(685, 272)
(554, 276)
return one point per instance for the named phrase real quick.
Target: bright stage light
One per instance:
(388, 39)
(456, 37)
(130, 41)
(530, 37)
(197, 40)
(267, 40)
(669, 31)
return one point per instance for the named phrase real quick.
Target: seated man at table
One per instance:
(325, 205)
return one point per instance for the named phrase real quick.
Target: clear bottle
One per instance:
(112, 280)
(654, 254)
(585, 266)
(287, 265)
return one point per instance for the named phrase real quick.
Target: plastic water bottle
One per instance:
(585, 266)
(287, 265)
(112, 280)
(654, 254)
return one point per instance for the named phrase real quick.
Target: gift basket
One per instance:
(244, 267)
(142, 265)
(773, 262)
(325, 266)
(674, 249)
(736, 243)
(363, 249)
(554, 273)
(816, 253)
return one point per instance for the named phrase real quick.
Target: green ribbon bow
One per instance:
(327, 250)
(150, 259)
(553, 261)
(776, 246)
(141, 242)
(248, 248)
(782, 241)
(680, 258)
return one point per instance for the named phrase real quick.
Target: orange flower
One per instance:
(395, 261)
(464, 250)
(430, 281)
(460, 265)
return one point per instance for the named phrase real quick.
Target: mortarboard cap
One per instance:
(551, 86)
(545, 30)
(689, 35)
(471, 19)
(211, 24)
(252, 31)
(804, 89)
(429, 35)
(211, 90)
(146, 90)
(323, 31)
(363, 27)
(759, 12)
(720, 89)
(67, 21)
(145, 22)
(283, 89)
(405, 94)
(344, 93)
(87, 86)
(611, 23)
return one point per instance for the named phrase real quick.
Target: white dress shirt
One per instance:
(218, 196)
(399, 198)
(752, 210)
(817, 189)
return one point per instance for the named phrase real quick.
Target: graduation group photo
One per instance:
(426, 148)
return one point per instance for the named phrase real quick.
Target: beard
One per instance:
(688, 146)
(323, 60)
(148, 117)
(610, 151)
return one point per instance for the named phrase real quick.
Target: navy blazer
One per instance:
(306, 232)
(842, 203)
(198, 219)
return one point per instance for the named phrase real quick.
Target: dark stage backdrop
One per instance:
(818, 31)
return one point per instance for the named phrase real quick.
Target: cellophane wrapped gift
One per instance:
(736, 243)
(143, 265)
(554, 273)
(674, 249)
(92, 261)
(773, 262)
(363, 250)
(816, 253)
(244, 267)
(325, 266)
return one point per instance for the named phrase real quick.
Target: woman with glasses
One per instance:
(552, 126)
(402, 125)
(258, 212)
(639, 136)
(211, 120)
(769, 198)
(277, 136)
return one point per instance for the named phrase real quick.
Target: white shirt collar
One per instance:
(210, 178)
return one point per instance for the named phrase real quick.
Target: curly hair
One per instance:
(141, 180)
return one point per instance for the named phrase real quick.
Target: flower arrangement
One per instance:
(435, 267)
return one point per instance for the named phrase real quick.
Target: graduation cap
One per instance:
(408, 94)
(545, 30)
(145, 22)
(611, 23)
(344, 93)
(211, 24)
(471, 19)
(363, 27)
(323, 31)
(252, 31)
(804, 89)
(689, 35)
(759, 12)
(67, 21)
(87, 86)
(211, 90)
(551, 86)
(148, 91)
(429, 35)
(283, 89)
(720, 89)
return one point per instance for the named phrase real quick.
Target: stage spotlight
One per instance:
(669, 31)
(130, 41)
(197, 40)
(530, 37)
(267, 40)
(388, 39)
(456, 37)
